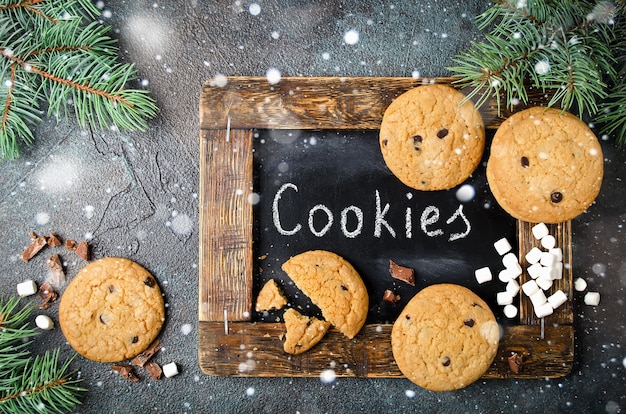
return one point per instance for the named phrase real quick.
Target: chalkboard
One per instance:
(277, 161)
(331, 190)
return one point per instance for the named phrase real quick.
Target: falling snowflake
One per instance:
(542, 67)
(351, 37)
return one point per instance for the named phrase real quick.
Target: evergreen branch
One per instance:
(67, 64)
(29, 384)
(569, 49)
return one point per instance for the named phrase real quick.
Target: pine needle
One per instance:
(573, 50)
(50, 57)
(40, 384)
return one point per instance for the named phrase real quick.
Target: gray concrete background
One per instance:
(135, 195)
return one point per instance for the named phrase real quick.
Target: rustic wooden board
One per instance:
(229, 344)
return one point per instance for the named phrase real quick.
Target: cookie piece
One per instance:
(303, 332)
(333, 285)
(112, 310)
(445, 338)
(429, 140)
(545, 166)
(270, 297)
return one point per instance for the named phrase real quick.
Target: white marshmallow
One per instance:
(515, 270)
(557, 271)
(483, 275)
(510, 311)
(544, 283)
(540, 230)
(502, 246)
(534, 255)
(545, 272)
(510, 260)
(505, 275)
(534, 271)
(512, 287)
(557, 252)
(592, 298)
(169, 370)
(27, 288)
(557, 298)
(544, 310)
(538, 298)
(547, 259)
(580, 284)
(548, 242)
(504, 298)
(44, 322)
(530, 287)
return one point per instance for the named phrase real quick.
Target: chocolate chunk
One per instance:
(135, 339)
(57, 275)
(34, 247)
(141, 359)
(82, 250)
(385, 141)
(154, 370)
(111, 288)
(344, 288)
(524, 161)
(515, 362)
(53, 240)
(442, 133)
(556, 197)
(445, 361)
(70, 245)
(469, 322)
(125, 371)
(149, 282)
(417, 141)
(402, 273)
(390, 297)
(47, 295)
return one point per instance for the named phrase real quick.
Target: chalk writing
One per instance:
(321, 219)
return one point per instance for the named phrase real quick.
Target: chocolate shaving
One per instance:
(125, 371)
(154, 370)
(141, 359)
(57, 275)
(402, 273)
(515, 362)
(47, 294)
(53, 240)
(390, 297)
(82, 250)
(34, 247)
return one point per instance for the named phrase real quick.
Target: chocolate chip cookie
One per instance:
(333, 285)
(429, 140)
(545, 165)
(112, 310)
(445, 338)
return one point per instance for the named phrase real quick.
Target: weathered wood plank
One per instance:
(563, 234)
(225, 254)
(255, 349)
(314, 103)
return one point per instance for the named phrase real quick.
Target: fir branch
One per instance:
(565, 48)
(30, 384)
(48, 55)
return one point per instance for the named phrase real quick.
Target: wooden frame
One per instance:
(229, 344)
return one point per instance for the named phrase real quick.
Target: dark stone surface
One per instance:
(135, 195)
